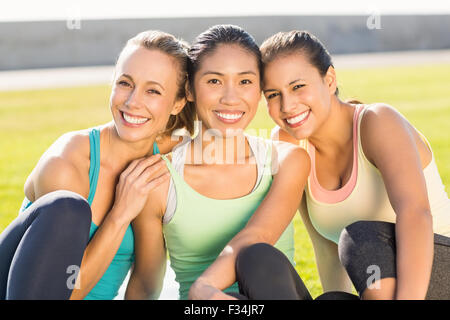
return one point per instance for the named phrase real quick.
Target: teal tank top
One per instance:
(201, 227)
(108, 286)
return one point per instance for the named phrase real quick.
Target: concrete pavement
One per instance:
(83, 76)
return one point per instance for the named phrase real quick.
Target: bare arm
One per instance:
(61, 168)
(331, 272)
(147, 277)
(389, 144)
(266, 225)
(60, 172)
(135, 184)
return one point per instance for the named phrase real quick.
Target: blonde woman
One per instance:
(89, 185)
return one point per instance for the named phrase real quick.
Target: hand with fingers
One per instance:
(136, 182)
(202, 290)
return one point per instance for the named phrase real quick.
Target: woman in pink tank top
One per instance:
(383, 260)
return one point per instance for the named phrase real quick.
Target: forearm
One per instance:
(221, 274)
(136, 290)
(147, 276)
(334, 278)
(332, 274)
(414, 239)
(139, 289)
(99, 253)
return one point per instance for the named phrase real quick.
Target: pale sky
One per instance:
(25, 10)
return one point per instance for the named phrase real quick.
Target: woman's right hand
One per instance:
(201, 290)
(135, 183)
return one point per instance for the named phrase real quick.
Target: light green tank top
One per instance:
(201, 227)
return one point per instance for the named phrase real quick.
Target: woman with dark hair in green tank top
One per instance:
(228, 189)
(113, 166)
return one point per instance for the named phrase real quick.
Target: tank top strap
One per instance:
(334, 196)
(260, 149)
(155, 148)
(361, 154)
(94, 167)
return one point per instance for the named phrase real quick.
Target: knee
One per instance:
(65, 207)
(255, 257)
(353, 241)
(255, 253)
(363, 238)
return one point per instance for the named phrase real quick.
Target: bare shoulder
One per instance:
(166, 143)
(156, 204)
(381, 121)
(155, 207)
(384, 128)
(379, 113)
(289, 157)
(64, 165)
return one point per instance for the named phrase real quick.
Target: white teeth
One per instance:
(298, 118)
(229, 116)
(134, 120)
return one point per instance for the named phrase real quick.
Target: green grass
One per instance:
(31, 120)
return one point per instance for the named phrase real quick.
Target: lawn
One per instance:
(31, 120)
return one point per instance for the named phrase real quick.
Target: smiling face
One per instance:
(227, 89)
(298, 97)
(144, 93)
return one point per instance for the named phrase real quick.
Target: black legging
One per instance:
(42, 247)
(265, 273)
(369, 246)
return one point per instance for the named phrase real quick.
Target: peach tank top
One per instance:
(364, 196)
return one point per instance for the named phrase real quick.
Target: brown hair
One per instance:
(285, 43)
(178, 49)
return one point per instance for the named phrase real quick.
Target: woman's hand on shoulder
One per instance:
(141, 178)
(202, 290)
(147, 277)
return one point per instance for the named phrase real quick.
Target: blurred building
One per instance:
(45, 44)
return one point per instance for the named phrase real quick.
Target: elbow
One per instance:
(152, 291)
(143, 290)
(244, 239)
(143, 293)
